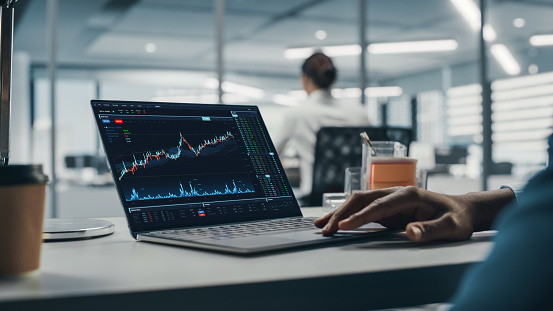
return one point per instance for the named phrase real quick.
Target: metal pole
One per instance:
(6, 52)
(363, 43)
(414, 121)
(486, 104)
(98, 138)
(220, 15)
(52, 43)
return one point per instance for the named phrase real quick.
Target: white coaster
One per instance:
(75, 228)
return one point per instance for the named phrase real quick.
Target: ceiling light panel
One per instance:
(541, 40)
(469, 11)
(504, 57)
(413, 47)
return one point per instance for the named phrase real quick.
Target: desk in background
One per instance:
(117, 272)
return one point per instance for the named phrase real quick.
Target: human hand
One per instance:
(425, 215)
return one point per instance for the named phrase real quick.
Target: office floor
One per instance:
(83, 201)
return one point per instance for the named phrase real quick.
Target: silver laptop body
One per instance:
(204, 176)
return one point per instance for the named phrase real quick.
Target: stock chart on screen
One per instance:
(177, 163)
(170, 158)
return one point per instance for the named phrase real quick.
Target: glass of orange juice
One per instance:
(385, 164)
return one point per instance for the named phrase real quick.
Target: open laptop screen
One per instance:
(181, 165)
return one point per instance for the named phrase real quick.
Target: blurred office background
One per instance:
(167, 50)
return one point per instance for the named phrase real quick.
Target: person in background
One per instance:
(302, 123)
(518, 272)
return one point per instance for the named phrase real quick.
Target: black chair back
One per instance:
(340, 147)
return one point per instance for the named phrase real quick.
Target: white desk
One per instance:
(118, 272)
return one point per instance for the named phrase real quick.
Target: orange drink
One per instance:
(385, 172)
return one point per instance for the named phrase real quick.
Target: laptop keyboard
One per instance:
(238, 230)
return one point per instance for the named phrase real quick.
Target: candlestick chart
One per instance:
(154, 158)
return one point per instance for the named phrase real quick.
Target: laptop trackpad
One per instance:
(291, 237)
(253, 241)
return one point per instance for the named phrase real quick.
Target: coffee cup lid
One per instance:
(22, 174)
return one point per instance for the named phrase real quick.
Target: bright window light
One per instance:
(462, 111)
(342, 50)
(541, 40)
(211, 83)
(201, 98)
(240, 89)
(465, 90)
(521, 145)
(465, 101)
(346, 93)
(243, 90)
(383, 91)
(521, 125)
(285, 100)
(464, 130)
(298, 53)
(527, 92)
(413, 47)
(354, 92)
(521, 114)
(522, 136)
(521, 82)
(298, 94)
(235, 99)
(542, 101)
(505, 59)
(465, 120)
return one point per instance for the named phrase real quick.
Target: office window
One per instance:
(522, 96)
(419, 55)
(399, 111)
(431, 126)
(75, 130)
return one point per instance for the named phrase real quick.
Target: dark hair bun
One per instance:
(320, 69)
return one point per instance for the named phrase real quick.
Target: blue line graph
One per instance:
(193, 192)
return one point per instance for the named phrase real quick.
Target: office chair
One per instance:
(340, 147)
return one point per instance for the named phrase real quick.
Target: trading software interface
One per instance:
(178, 165)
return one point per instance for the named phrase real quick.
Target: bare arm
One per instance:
(424, 215)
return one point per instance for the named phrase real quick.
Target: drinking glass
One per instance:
(385, 164)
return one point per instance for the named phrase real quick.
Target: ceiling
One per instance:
(113, 34)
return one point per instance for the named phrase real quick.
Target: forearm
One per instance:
(484, 206)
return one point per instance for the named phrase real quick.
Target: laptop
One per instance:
(204, 176)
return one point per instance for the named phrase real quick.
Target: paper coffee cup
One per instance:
(22, 198)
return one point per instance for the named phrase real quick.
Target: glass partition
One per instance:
(522, 87)
(424, 49)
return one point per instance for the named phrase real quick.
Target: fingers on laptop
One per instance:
(357, 202)
(399, 200)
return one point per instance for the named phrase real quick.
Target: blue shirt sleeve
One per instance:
(516, 187)
(518, 273)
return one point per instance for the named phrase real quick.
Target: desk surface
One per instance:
(121, 271)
